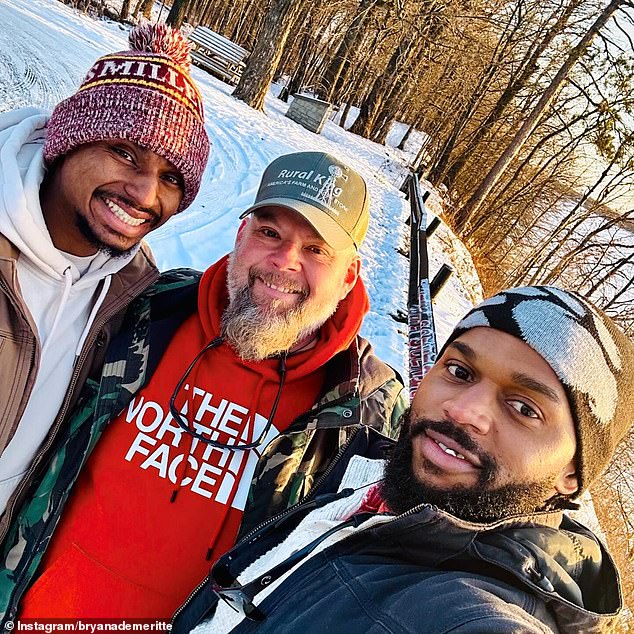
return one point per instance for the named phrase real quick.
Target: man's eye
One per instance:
(269, 233)
(174, 179)
(317, 250)
(524, 409)
(458, 371)
(123, 153)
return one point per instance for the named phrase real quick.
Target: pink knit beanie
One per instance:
(144, 95)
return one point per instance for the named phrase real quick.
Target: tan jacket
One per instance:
(20, 347)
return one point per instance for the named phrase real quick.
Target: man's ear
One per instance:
(352, 275)
(567, 482)
(241, 228)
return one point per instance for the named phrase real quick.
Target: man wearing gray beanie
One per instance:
(462, 527)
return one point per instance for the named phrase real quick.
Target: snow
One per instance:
(46, 48)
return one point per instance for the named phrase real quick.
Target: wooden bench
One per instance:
(217, 55)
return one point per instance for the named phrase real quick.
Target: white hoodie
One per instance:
(62, 292)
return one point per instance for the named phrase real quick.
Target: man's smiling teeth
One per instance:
(122, 215)
(281, 289)
(451, 452)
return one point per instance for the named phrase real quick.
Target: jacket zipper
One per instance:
(275, 518)
(411, 511)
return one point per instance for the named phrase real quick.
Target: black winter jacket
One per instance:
(427, 571)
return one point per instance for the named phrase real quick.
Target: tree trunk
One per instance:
(383, 85)
(403, 141)
(470, 209)
(294, 85)
(210, 9)
(528, 67)
(222, 20)
(177, 13)
(486, 78)
(393, 108)
(144, 7)
(360, 82)
(266, 54)
(351, 97)
(125, 10)
(299, 52)
(247, 26)
(333, 77)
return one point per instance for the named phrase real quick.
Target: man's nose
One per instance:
(286, 256)
(143, 189)
(473, 407)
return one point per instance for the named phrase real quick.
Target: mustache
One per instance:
(104, 193)
(456, 432)
(277, 279)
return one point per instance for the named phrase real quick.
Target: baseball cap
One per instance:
(326, 192)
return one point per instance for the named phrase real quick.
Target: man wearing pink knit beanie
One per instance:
(78, 193)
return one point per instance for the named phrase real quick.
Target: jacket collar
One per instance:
(548, 553)
(128, 282)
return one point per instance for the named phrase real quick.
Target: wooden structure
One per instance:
(217, 55)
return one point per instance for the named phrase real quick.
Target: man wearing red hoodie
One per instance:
(244, 405)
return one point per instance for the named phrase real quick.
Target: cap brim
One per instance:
(326, 227)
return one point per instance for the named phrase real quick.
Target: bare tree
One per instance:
(144, 7)
(125, 10)
(470, 209)
(265, 57)
(334, 75)
(178, 12)
(518, 81)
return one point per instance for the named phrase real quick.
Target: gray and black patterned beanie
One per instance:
(590, 355)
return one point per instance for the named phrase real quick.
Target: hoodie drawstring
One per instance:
(240, 449)
(243, 462)
(68, 283)
(93, 313)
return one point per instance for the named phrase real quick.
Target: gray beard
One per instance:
(260, 332)
(483, 502)
(256, 333)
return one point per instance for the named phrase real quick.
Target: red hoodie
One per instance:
(125, 548)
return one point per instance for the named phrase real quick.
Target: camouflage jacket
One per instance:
(362, 390)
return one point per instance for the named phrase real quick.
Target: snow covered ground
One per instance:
(46, 49)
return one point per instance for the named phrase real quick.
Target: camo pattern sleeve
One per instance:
(297, 460)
